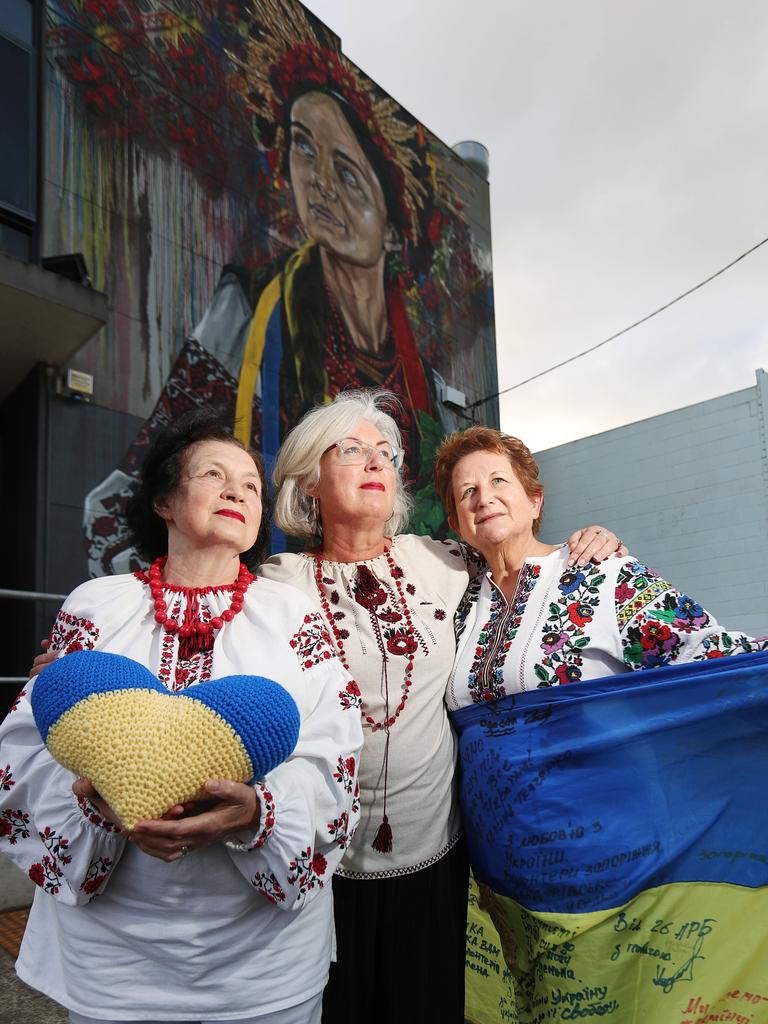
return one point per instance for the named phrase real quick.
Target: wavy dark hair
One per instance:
(161, 473)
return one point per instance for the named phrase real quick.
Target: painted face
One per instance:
(363, 493)
(491, 504)
(338, 196)
(218, 499)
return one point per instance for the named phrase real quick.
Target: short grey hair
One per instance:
(298, 461)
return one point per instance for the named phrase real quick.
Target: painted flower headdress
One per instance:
(287, 52)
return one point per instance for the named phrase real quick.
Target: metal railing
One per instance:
(26, 595)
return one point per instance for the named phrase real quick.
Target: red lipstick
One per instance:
(372, 487)
(231, 514)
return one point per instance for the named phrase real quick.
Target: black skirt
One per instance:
(401, 946)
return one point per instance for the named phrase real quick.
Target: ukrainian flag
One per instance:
(620, 828)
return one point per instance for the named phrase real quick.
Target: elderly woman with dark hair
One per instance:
(222, 909)
(388, 599)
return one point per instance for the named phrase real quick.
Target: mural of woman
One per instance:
(334, 316)
(361, 273)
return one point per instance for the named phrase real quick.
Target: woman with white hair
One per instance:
(389, 600)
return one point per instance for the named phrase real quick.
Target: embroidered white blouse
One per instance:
(224, 932)
(369, 619)
(565, 624)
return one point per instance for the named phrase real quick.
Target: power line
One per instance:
(618, 334)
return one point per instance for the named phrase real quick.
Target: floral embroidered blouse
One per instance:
(246, 926)
(564, 624)
(363, 599)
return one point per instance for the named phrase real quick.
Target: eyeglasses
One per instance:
(351, 452)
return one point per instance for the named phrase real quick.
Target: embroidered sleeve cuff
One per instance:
(90, 811)
(255, 840)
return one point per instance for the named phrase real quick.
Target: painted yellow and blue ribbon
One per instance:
(108, 719)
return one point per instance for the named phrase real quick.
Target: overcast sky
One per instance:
(629, 160)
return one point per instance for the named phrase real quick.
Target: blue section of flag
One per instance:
(576, 798)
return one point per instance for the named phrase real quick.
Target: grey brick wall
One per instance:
(688, 493)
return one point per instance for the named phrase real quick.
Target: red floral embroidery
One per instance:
(96, 875)
(55, 844)
(47, 874)
(338, 829)
(399, 642)
(367, 590)
(187, 672)
(6, 778)
(345, 772)
(267, 823)
(580, 614)
(654, 633)
(350, 697)
(268, 886)
(305, 871)
(312, 642)
(14, 825)
(37, 874)
(71, 633)
(95, 818)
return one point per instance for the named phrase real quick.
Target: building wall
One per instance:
(172, 154)
(688, 494)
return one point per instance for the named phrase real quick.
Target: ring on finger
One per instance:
(184, 851)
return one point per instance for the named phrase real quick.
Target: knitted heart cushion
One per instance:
(107, 718)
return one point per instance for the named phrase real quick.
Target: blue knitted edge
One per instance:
(261, 712)
(64, 683)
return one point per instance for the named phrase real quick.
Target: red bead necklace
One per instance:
(193, 628)
(396, 573)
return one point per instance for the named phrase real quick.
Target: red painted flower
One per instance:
(5, 827)
(435, 227)
(319, 864)
(715, 654)
(579, 614)
(104, 526)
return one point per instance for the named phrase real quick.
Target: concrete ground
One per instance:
(18, 1003)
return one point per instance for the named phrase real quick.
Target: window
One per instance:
(18, 127)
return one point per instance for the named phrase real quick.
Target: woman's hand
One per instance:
(42, 660)
(593, 544)
(236, 810)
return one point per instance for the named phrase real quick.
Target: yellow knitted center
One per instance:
(146, 751)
